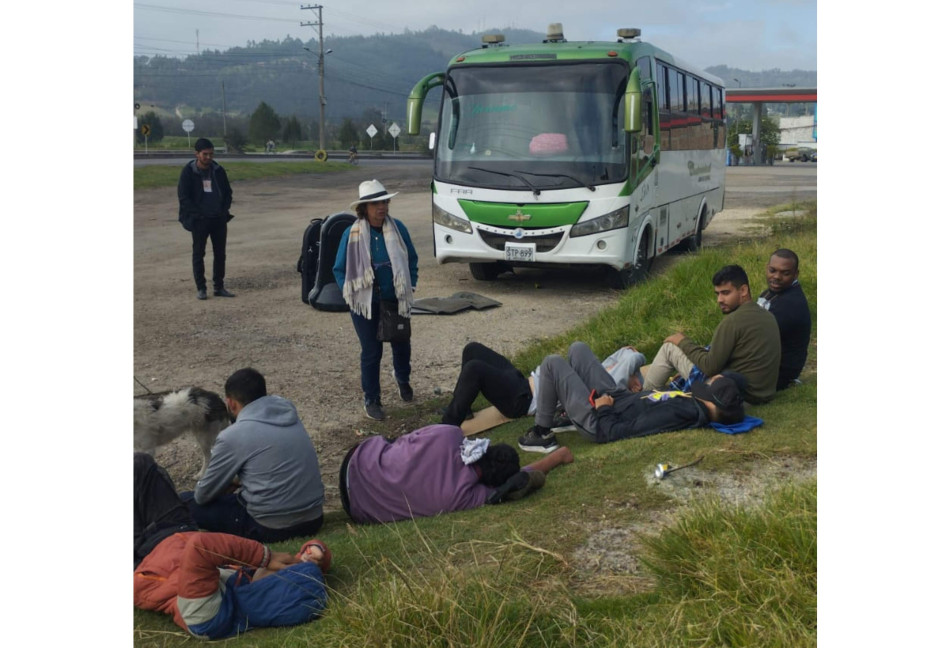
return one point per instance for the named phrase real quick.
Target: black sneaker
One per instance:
(536, 479)
(561, 422)
(222, 292)
(534, 441)
(406, 391)
(202, 294)
(375, 411)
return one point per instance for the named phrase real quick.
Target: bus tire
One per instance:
(486, 271)
(694, 242)
(321, 155)
(640, 269)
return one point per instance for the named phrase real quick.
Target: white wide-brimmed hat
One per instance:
(371, 190)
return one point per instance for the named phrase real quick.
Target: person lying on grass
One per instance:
(216, 585)
(435, 470)
(491, 374)
(604, 411)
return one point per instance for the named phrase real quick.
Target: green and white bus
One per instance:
(572, 153)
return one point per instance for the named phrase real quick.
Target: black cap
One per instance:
(725, 394)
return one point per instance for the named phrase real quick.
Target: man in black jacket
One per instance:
(785, 299)
(205, 196)
(604, 411)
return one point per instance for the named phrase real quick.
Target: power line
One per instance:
(197, 12)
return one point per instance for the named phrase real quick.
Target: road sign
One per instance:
(187, 125)
(394, 130)
(371, 131)
(145, 129)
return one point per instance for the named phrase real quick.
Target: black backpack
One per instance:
(325, 294)
(308, 260)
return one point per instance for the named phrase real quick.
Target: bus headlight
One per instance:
(611, 221)
(446, 219)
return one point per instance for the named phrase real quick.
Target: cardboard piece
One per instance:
(484, 419)
(488, 418)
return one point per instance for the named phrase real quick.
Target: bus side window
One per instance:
(647, 132)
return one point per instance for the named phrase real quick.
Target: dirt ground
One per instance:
(311, 357)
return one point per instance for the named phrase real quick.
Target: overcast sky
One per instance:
(747, 34)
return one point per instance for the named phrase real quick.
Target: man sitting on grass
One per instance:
(604, 411)
(216, 585)
(785, 299)
(747, 341)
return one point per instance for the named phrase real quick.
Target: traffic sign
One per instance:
(187, 125)
(145, 129)
(371, 131)
(394, 130)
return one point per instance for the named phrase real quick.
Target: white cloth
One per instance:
(472, 450)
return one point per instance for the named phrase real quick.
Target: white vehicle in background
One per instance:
(572, 153)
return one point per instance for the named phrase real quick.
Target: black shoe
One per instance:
(536, 479)
(375, 411)
(222, 292)
(406, 391)
(535, 441)
(202, 293)
(561, 422)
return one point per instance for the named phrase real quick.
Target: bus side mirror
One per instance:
(416, 98)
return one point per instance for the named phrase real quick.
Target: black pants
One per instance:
(159, 511)
(491, 373)
(215, 230)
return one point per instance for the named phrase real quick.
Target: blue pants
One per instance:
(288, 597)
(371, 353)
(227, 514)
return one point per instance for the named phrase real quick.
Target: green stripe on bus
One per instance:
(527, 216)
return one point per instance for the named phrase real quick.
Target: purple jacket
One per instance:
(419, 474)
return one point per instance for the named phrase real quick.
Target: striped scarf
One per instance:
(359, 272)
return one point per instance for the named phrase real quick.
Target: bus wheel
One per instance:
(640, 269)
(486, 271)
(694, 242)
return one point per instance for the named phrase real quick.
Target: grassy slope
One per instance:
(519, 574)
(159, 175)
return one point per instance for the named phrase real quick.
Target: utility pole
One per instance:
(321, 75)
(223, 87)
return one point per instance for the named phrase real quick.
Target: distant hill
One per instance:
(363, 75)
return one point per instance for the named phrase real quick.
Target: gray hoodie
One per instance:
(271, 454)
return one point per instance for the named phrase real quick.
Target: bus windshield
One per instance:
(533, 127)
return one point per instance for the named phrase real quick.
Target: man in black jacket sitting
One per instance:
(785, 299)
(604, 411)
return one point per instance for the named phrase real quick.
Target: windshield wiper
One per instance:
(535, 190)
(560, 175)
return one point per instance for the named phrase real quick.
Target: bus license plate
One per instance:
(520, 252)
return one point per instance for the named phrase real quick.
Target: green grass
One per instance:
(696, 572)
(159, 175)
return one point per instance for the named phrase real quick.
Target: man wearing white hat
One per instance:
(377, 263)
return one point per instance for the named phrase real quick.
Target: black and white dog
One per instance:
(161, 418)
